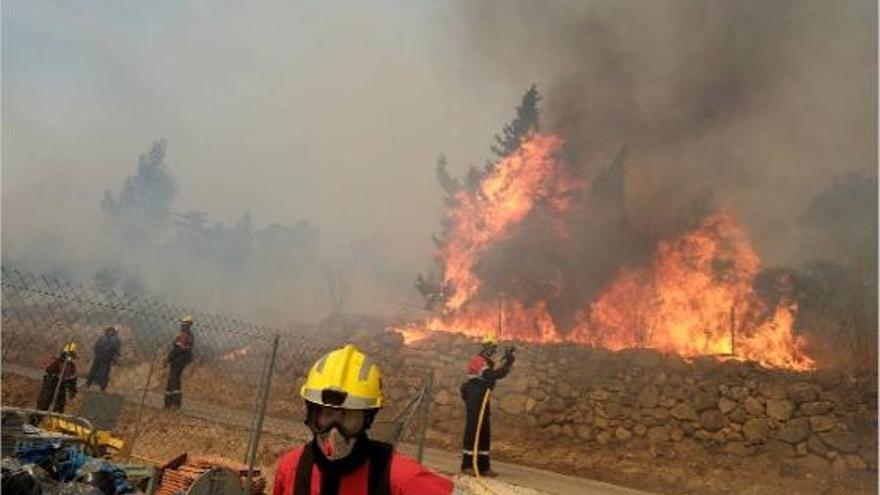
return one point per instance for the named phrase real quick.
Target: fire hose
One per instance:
(477, 441)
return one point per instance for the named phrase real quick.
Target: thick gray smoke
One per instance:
(755, 107)
(334, 113)
(329, 112)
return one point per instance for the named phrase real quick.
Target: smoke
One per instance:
(332, 112)
(750, 105)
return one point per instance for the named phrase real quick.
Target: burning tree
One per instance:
(508, 142)
(551, 244)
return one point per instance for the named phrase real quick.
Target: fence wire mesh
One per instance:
(42, 315)
(221, 386)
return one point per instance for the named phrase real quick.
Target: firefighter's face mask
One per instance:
(335, 445)
(336, 429)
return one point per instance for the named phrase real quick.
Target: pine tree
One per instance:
(141, 210)
(449, 184)
(526, 121)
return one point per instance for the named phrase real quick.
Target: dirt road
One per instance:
(513, 480)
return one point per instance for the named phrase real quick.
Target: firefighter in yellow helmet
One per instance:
(59, 380)
(343, 393)
(482, 375)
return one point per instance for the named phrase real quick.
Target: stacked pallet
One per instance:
(177, 481)
(179, 474)
(258, 482)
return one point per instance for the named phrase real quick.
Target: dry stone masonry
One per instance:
(639, 398)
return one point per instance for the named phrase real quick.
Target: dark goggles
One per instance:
(349, 422)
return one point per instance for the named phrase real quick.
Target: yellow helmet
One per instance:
(345, 378)
(187, 319)
(70, 348)
(490, 340)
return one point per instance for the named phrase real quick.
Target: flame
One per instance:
(504, 198)
(694, 297)
(411, 334)
(237, 354)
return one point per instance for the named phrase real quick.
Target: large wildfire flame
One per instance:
(695, 297)
(504, 198)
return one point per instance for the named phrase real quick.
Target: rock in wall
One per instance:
(640, 398)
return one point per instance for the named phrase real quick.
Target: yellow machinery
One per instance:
(101, 441)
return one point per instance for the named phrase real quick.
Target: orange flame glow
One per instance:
(694, 297)
(236, 354)
(504, 198)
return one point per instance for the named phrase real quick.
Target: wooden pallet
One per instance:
(179, 474)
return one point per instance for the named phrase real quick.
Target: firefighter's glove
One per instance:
(509, 356)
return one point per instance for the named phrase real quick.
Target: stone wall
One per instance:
(641, 399)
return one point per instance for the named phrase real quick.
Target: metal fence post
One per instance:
(59, 385)
(256, 412)
(258, 428)
(140, 413)
(427, 398)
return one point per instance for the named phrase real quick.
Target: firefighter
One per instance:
(180, 355)
(59, 382)
(342, 396)
(106, 350)
(482, 375)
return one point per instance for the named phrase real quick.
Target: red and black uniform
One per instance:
(179, 356)
(482, 376)
(64, 369)
(372, 468)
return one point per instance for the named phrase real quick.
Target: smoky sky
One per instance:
(336, 111)
(755, 105)
(329, 111)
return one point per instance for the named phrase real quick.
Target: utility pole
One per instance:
(500, 314)
(733, 329)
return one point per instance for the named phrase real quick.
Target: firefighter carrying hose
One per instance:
(59, 382)
(342, 396)
(482, 375)
(180, 355)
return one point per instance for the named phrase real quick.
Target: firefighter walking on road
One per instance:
(59, 382)
(343, 394)
(482, 375)
(180, 355)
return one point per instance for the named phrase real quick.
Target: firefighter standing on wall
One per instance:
(482, 375)
(59, 382)
(342, 396)
(179, 357)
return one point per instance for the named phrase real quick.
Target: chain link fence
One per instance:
(42, 315)
(244, 379)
